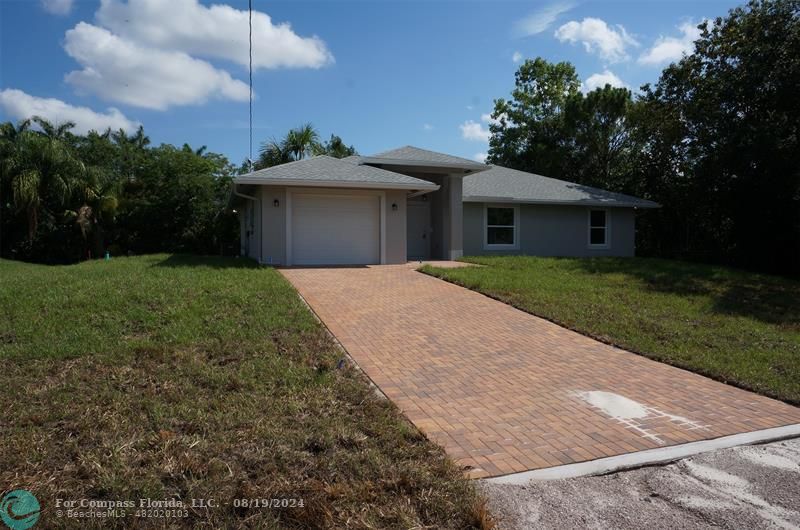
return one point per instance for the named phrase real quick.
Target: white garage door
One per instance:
(335, 229)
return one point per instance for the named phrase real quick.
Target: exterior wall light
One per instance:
(276, 203)
(394, 206)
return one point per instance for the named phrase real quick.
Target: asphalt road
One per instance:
(743, 487)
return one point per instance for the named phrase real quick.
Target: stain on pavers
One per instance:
(499, 389)
(640, 418)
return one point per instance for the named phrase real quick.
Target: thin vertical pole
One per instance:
(250, 22)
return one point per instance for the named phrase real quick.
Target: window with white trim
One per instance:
(501, 226)
(598, 229)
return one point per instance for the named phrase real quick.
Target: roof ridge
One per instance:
(408, 152)
(289, 163)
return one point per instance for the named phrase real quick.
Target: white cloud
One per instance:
(57, 7)
(487, 118)
(480, 157)
(427, 127)
(472, 130)
(670, 49)
(517, 57)
(20, 106)
(600, 80)
(120, 70)
(598, 37)
(218, 31)
(540, 20)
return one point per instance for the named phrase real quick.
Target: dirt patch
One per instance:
(743, 487)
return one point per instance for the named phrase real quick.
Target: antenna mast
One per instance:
(250, 23)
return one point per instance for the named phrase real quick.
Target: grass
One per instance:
(175, 377)
(733, 326)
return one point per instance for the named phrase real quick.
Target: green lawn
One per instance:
(168, 376)
(731, 325)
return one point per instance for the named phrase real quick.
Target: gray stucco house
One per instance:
(413, 204)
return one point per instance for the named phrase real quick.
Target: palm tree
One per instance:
(140, 140)
(10, 139)
(38, 167)
(97, 195)
(52, 131)
(131, 149)
(272, 153)
(10, 132)
(302, 141)
(298, 143)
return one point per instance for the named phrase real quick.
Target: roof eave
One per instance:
(606, 204)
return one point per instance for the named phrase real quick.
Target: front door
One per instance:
(419, 230)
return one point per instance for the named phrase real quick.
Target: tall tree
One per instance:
(336, 148)
(177, 203)
(527, 130)
(597, 138)
(96, 197)
(39, 169)
(302, 141)
(737, 96)
(131, 151)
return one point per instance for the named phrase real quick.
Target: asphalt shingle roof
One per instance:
(495, 183)
(504, 184)
(324, 168)
(416, 154)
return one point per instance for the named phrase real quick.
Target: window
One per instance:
(501, 226)
(598, 229)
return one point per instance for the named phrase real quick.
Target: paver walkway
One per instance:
(504, 391)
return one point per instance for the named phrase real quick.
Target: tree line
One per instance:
(66, 197)
(714, 140)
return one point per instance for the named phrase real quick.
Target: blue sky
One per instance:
(380, 74)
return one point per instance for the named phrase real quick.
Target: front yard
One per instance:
(168, 377)
(731, 325)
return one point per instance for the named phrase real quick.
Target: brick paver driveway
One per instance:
(504, 391)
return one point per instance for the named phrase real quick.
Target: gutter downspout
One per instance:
(258, 202)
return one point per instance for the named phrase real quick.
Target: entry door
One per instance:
(335, 229)
(418, 231)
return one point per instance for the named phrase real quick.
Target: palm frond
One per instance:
(26, 189)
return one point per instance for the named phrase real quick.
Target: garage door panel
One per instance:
(335, 229)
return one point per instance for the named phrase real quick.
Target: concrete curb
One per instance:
(647, 457)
